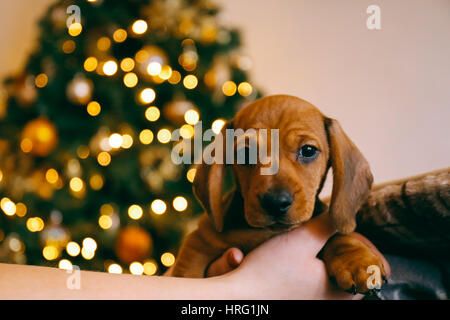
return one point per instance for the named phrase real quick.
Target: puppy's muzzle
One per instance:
(276, 203)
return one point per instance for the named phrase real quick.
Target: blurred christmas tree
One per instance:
(86, 176)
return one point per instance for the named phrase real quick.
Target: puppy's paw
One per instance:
(354, 267)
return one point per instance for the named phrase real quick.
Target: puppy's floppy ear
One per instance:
(208, 184)
(352, 178)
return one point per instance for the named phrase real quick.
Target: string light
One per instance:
(135, 212)
(88, 255)
(150, 268)
(187, 131)
(190, 81)
(110, 68)
(139, 27)
(103, 43)
(75, 29)
(217, 125)
(127, 64)
(35, 224)
(148, 95)
(175, 77)
(94, 108)
(245, 89)
(41, 80)
(89, 244)
(76, 184)
(166, 72)
(167, 259)
(1, 175)
(65, 264)
(158, 206)
(164, 135)
(115, 268)
(96, 182)
(136, 268)
(190, 174)
(130, 79)
(50, 253)
(73, 249)
(191, 116)
(115, 140)
(26, 145)
(90, 64)
(52, 176)
(154, 68)
(180, 203)
(152, 113)
(105, 222)
(120, 35)
(146, 136)
(229, 88)
(68, 46)
(21, 209)
(104, 158)
(8, 207)
(127, 141)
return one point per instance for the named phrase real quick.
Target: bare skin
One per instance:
(289, 270)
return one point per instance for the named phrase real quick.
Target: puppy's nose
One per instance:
(276, 203)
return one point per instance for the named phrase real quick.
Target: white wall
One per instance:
(390, 89)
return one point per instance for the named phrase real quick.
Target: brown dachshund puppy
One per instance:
(262, 206)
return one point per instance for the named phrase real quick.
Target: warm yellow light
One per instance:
(65, 264)
(164, 135)
(166, 72)
(146, 136)
(21, 209)
(26, 145)
(139, 26)
(190, 81)
(15, 244)
(135, 212)
(68, 46)
(175, 77)
(88, 255)
(142, 56)
(154, 68)
(191, 116)
(148, 95)
(115, 140)
(217, 125)
(187, 131)
(89, 244)
(83, 152)
(127, 64)
(127, 141)
(104, 158)
(51, 176)
(73, 249)
(1, 175)
(150, 268)
(190, 174)
(105, 222)
(106, 209)
(136, 268)
(90, 64)
(103, 43)
(229, 88)
(152, 113)
(76, 184)
(110, 67)
(35, 224)
(130, 79)
(120, 35)
(158, 206)
(167, 259)
(245, 89)
(50, 252)
(180, 203)
(41, 80)
(75, 29)
(94, 108)
(8, 207)
(115, 268)
(96, 181)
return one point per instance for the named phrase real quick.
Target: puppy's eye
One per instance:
(307, 153)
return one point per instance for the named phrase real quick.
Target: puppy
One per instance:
(262, 206)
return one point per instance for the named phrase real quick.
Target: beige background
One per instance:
(390, 89)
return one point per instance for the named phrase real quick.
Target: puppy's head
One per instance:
(308, 144)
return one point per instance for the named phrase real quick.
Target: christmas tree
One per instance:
(86, 176)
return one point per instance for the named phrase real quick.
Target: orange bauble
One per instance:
(133, 244)
(39, 137)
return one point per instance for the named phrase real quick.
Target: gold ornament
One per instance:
(39, 137)
(133, 244)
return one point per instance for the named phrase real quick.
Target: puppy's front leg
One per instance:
(354, 266)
